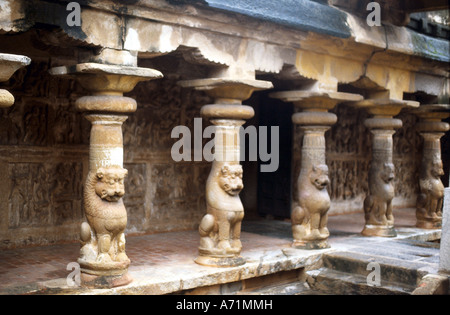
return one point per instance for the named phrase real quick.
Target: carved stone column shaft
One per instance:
(226, 139)
(106, 147)
(311, 201)
(431, 197)
(310, 216)
(220, 228)
(379, 218)
(378, 205)
(103, 259)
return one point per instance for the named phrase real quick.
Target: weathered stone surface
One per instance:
(382, 266)
(301, 14)
(268, 254)
(432, 285)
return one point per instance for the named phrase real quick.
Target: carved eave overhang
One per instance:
(257, 37)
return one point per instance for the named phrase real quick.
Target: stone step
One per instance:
(350, 273)
(329, 281)
(293, 288)
(391, 270)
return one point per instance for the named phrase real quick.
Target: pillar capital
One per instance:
(228, 91)
(101, 79)
(383, 108)
(431, 117)
(220, 111)
(314, 100)
(8, 65)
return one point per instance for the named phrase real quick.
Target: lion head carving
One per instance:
(437, 169)
(230, 179)
(319, 176)
(387, 173)
(110, 183)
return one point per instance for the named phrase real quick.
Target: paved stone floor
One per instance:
(163, 263)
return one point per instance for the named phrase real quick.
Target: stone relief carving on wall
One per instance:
(134, 200)
(44, 194)
(177, 195)
(345, 179)
(407, 155)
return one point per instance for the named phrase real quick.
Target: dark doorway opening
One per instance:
(274, 188)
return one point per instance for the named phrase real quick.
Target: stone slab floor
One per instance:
(164, 263)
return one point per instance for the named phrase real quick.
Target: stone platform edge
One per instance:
(160, 280)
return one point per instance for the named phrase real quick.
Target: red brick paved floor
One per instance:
(19, 267)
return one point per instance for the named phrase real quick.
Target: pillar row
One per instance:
(103, 258)
(220, 228)
(311, 201)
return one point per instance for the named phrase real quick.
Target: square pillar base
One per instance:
(379, 230)
(220, 261)
(105, 282)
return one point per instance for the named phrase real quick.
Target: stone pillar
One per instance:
(311, 201)
(430, 200)
(103, 259)
(378, 204)
(444, 254)
(220, 228)
(8, 65)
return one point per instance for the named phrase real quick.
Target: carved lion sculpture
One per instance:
(378, 204)
(430, 200)
(102, 237)
(220, 228)
(309, 217)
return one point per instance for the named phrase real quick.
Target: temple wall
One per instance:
(44, 160)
